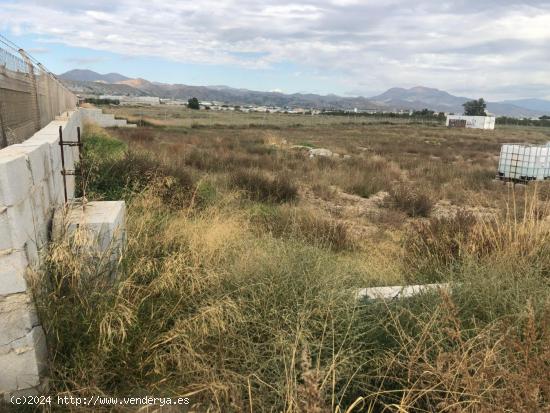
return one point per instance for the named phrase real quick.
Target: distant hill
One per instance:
(419, 96)
(416, 98)
(84, 75)
(540, 105)
(423, 97)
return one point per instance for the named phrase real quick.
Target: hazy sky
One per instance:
(497, 49)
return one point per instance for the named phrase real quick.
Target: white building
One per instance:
(473, 122)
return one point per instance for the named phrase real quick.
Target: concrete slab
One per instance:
(398, 291)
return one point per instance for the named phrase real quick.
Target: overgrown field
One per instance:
(244, 255)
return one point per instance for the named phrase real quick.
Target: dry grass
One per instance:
(244, 303)
(261, 187)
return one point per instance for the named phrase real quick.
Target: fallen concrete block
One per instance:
(98, 229)
(101, 222)
(398, 291)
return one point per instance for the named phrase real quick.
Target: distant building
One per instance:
(472, 122)
(133, 100)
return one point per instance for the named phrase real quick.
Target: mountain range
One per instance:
(416, 98)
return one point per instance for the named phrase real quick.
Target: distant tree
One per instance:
(423, 113)
(193, 103)
(97, 101)
(544, 117)
(475, 107)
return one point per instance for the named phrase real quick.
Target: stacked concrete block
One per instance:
(31, 188)
(105, 120)
(23, 352)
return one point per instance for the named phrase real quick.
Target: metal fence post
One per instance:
(34, 89)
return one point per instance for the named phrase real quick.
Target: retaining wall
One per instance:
(31, 189)
(105, 120)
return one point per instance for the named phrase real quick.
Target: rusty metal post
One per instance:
(63, 172)
(80, 161)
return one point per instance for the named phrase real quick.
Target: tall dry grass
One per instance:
(249, 306)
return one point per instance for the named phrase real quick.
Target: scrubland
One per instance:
(237, 288)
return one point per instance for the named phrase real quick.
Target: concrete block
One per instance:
(98, 231)
(21, 222)
(13, 269)
(33, 253)
(17, 317)
(398, 291)
(40, 213)
(15, 177)
(44, 136)
(100, 225)
(5, 231)
(37, 155)
(23, 361)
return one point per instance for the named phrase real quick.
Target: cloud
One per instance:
(465, 46)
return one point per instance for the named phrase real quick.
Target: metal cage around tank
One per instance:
(524, 163)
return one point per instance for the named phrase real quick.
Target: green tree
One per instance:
(193, 103)
(475, 107)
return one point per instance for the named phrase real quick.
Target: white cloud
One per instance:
(356, 45)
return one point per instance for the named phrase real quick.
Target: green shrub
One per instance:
(111, 172)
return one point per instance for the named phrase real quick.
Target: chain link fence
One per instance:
(30, 97)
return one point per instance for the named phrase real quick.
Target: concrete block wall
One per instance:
(105, 120)
(31, 188)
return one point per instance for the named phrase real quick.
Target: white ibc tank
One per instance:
(524, 162)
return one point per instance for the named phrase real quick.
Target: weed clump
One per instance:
(261, 187)
(414, 201)
(299, 223)
(433, 247)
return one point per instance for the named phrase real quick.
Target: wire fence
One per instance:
(30, 96)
